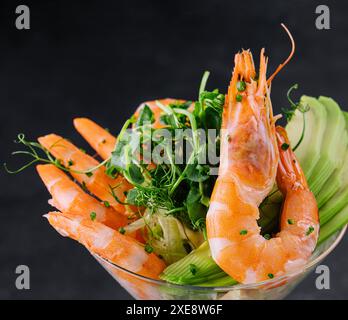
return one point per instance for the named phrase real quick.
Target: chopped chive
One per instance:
(241, 86)
(193, 268)
(271, 275)
(267, 236)
(285, 146)
(122, 230)
(291, 221)
(239, 97)
(93, 215)
(243, 232)
(106, 204)
(83, 150)
(89, 174)
(148, 248)
(84, 186)
(309, 231)
(70, 163)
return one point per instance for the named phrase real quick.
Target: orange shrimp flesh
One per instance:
(97, 182)
(107, 243)
(248, 169)
(68, 196)
(100, 139)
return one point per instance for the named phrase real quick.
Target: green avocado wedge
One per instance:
(338, 180)
(333, 146)
(339, 199)
(308, 152)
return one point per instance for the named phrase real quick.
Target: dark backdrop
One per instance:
(100, 59)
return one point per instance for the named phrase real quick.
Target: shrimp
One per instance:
(107, 243)
(97, 182)
(251, 148)
(100, 139)
(68, 196)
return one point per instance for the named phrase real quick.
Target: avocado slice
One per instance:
(308, 152)
(339, 199)
(338, 179)
(332, 146)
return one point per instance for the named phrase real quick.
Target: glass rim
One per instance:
(237, 286)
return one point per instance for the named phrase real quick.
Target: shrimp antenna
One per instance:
(282, 65)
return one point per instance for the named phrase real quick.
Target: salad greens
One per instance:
(180, 189)
(173, 170)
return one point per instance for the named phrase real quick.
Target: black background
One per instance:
(100, 59)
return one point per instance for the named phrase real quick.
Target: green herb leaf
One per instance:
(291, 221)
(145, 116)
(148, 248)
(195, 209)
(93, 215)
(309, 231)
(193, 268)
(132, 196)
(285, 146)
(135, 174)
(241, 86)
(198, 172)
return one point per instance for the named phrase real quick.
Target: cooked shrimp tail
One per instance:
(88, 171)
(107, 243)
(300, 211)
(100, 139)
(68, 196)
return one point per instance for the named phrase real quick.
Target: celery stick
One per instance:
(220, 282)
(335, 224)
(198, 266)
(335, 205)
